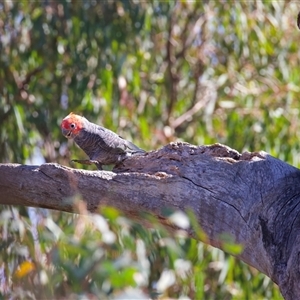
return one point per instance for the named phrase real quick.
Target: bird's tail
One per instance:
(134, 150)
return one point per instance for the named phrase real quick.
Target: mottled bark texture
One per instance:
(252, 196)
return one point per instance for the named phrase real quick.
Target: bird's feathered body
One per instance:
(103, 146)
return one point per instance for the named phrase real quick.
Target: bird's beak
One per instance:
(67, 133)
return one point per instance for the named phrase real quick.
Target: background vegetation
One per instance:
(155, 72)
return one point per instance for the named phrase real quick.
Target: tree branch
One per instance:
(252, 196)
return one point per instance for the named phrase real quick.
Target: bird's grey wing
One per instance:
(110, 141)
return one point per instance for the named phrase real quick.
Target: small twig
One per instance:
(191, 112)
(188, 114)
(173, 78)
(21, 84)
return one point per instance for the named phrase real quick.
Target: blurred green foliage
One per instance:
(155, 72)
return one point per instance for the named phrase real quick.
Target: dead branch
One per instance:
(252, 196)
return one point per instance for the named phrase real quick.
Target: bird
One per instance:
(102, 146)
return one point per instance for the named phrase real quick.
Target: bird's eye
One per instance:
(73, 125)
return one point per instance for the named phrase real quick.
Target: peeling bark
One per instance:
(252, 196)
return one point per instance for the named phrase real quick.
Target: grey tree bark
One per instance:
(252, 196)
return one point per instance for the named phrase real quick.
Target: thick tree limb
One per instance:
(252, 196)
